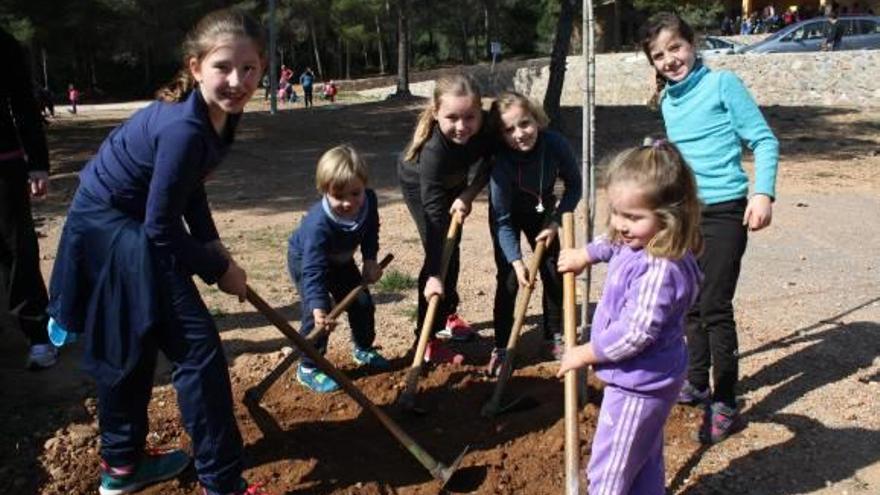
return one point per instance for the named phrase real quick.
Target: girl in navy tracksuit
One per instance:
(138, 229)
(523, 202)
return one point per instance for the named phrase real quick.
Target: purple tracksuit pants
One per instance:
(627, 454)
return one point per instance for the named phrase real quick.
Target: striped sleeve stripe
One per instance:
(637, 333)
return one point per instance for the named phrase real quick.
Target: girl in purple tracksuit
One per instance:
(638, 346)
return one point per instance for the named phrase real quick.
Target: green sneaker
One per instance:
(152, 468)
(370, 357)
(316, 380)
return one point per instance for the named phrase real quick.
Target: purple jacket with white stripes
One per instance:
(638, 328)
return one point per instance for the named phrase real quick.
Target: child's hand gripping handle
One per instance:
(349, 298)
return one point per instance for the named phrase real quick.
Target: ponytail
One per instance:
(421, 134)
(178, 88)
(659, 85)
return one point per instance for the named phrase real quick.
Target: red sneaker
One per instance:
(457, 328)
(438, 353)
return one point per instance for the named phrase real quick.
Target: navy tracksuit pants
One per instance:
(340, 279)
(188, 337)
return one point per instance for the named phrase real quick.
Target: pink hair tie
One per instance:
(654, 143)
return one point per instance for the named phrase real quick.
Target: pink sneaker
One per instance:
(457, 328)
(438, 353)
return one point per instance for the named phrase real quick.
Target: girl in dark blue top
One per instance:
(138, 229)
(523, 201)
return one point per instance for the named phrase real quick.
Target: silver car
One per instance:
(711, 46)
(860, 32)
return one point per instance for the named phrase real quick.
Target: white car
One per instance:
(711, 46)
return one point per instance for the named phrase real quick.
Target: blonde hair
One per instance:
(202, 39)
(509, 99)
(339, 167)
(668, 187)
(449, 84)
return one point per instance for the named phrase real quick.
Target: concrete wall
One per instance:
(811, 79)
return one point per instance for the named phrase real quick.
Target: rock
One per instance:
(286, 351)
(51, 444)
(801, 204)
(80, 435)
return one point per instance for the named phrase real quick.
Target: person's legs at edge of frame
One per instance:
(23, 296)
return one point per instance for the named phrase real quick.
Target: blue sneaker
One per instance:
(692, 396)
(152, 468)
(316, 380)
(370, 357)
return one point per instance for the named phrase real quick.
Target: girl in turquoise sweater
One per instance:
(708, 114)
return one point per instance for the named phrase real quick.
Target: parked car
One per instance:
(712, 45)
(860, 32)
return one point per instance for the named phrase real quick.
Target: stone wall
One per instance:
(849, 78)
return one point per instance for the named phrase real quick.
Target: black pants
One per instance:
(23, 295)
(711, 329)
(412, 196)
(529, 223)
(307, 95)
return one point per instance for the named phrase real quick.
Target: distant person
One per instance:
(285, 76)
(834, 36)
(307, 81)
(637, 344)
(727, 26)
(24, 174)
(72, 97)
(267, 86)
(708, 115)
(330, 91)
(320, 258)
(138, 230)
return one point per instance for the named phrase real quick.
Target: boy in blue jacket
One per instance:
(320, 258)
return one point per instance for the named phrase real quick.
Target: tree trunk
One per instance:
(557, 63)
(347, 59)
(381, 45)
(402, 49)
(464, 34)
(315, 48)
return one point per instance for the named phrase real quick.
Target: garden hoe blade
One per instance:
(494, 406)
(443, 473)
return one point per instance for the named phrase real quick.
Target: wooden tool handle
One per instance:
(569, 310)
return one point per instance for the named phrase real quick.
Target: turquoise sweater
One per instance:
(707, 115)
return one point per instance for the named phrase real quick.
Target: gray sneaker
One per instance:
(41, 357)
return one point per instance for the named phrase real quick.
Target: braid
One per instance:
(178, 88)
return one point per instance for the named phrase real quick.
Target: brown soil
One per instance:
(807, 308)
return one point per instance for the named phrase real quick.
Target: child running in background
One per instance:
(637, 345)
(320, 258)
(523, 201)
(123, 274)
(707, 115)
(72, 97)
(433, 171)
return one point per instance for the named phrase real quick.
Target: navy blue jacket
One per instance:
(153, 167)
(520, 180)
(321, 240)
